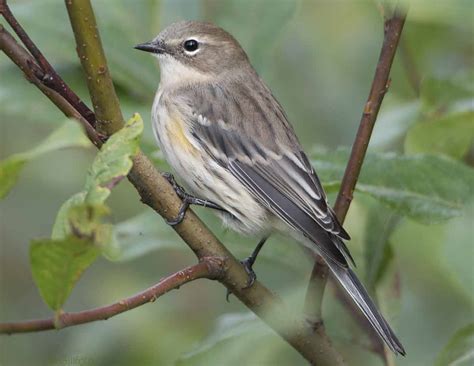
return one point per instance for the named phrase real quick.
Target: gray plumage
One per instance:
(229, 140)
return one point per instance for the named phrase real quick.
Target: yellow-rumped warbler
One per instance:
(229, 140)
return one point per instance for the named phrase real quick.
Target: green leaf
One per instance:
(114, 161)
(78, 232)
(9, 172)
(379, 226)
(85, 221)
(428, 188)
(61, 227)
(452, 135)
(68, 135)
(439, 94)
(58, 264)
(460, 349)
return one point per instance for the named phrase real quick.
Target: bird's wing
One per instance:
(258, 146)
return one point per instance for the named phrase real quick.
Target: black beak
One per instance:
(152, 46)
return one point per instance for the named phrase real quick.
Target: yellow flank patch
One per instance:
(176, 134)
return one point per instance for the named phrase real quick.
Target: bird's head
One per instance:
(195, 50)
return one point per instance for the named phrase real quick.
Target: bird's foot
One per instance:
(247, 263)
(187, 200)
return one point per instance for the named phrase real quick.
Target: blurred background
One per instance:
(411, 221)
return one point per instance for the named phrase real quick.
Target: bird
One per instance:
(229, 141)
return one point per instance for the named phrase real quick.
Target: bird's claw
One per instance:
(187, 200)
(247, 263)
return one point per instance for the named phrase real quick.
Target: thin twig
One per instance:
(210, 268)
(34, 73)
(50, 77)
(393, 27)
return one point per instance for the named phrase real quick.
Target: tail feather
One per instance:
(357, 292)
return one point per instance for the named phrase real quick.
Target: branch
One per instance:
(156, 192)
(35, 75)
(99, 82)
(211, 268)
(49, 76)
(393, 27)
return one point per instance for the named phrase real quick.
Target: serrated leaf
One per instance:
(451, 135)
(58, 264)
(68, 135)
(428, 188)
(114, 161)
(460, 349)
(79, 233)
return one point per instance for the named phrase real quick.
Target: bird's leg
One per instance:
(248, 264)
(250, 260)
(187, 200)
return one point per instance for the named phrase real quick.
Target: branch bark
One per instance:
(211, 268)
(393, 27)
(34, 74)
(91, 53)
(49, 76)
(156, 192)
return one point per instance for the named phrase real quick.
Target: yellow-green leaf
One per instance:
(69, 134)
(9, 171)
(58, 264)
(428, 188)
(452, 135)
(114, 161)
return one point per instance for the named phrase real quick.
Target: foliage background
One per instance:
(318, 57)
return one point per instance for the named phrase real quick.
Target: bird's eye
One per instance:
(191, 45)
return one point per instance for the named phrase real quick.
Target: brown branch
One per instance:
(156, 192)
(49, 76)
(34, 74)
(91, 54)
(211, 268)
(393, 27)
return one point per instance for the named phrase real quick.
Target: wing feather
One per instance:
(269, 161)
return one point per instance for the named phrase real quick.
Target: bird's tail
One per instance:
(357, 292)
